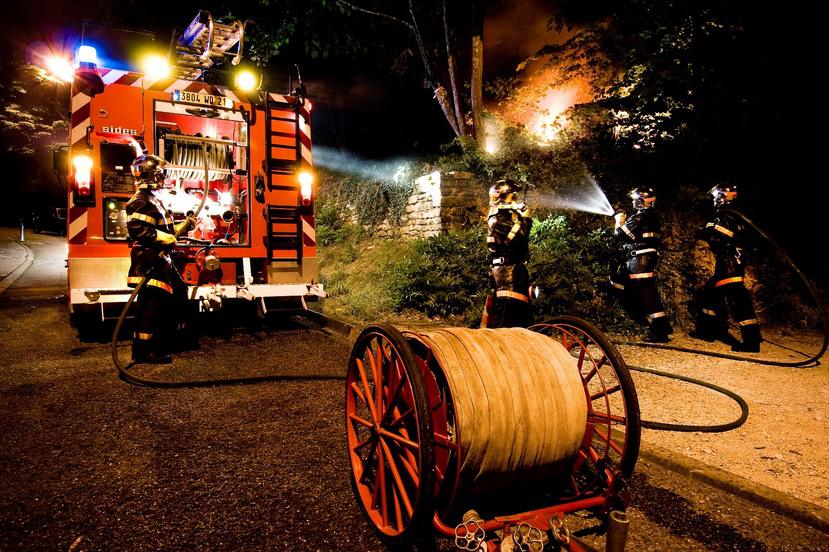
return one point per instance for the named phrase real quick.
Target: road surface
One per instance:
(91, 463)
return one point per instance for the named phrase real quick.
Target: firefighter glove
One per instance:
(164, 238)
(183, 226)
(621, 218)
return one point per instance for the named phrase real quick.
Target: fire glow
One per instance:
(542, 100)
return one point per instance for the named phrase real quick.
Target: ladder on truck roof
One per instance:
(281, 165)
(206, 41)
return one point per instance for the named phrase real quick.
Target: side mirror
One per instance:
(60, 164)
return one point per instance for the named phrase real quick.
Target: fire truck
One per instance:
(250, 150)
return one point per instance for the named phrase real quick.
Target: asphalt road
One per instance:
(88, 462)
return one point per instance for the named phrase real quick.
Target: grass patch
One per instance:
(358, 274)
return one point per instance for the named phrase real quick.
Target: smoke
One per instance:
(393, 171)
(585, 196)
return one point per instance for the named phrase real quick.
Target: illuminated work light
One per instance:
(88, 55)
(60, 68)
(155, 67)
(246, 80)
(83, 173)
(306, 180)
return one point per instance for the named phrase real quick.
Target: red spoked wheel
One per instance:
(389, 434)
(611, 441)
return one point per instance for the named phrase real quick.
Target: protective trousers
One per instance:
(511, 305)
(157, 319)
(644, 294)
(718, 297)
(635, 280)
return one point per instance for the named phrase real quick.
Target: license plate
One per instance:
(202, 99)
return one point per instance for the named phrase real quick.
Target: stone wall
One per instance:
(439, 202)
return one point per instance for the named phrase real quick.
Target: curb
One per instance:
(12, 276)
(771, 499)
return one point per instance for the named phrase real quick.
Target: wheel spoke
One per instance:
(359, 393)
(398, 438)
(396, 477)
(409, 463)
(363, 443)
(359, 420)
(593, 454)
(609, 441)
(361, 369)
(580, 363)
(603, 418)
(575, 485)
(378, 380)
(381, 480)
(392, 400)
(443, 441)
(401, 418)
(580, 458)
(606, 392)
(398, 512)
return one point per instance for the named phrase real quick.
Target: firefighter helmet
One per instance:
(723, 194)
(149, 169)
(501, 190)
(643, 197)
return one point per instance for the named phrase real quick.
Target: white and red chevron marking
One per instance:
(78, 222)
(112, 76)
(279, 98)
(309, 232)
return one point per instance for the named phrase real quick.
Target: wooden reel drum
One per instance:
(520, 424)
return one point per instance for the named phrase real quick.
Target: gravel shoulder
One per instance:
(782, 444)
(91, 462)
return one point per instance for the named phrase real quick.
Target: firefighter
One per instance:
(639, 238)
(509, 225)
(153, 236)
(726, 290)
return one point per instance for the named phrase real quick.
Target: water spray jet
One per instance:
(586, 196)
(393, 171)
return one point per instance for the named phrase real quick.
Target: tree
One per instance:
(451, 101)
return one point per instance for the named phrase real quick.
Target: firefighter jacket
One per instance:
(726, 235)
(639, 239)
(148, 223)
(509, 250)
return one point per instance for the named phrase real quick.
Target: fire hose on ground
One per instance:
(808, 362)
(124, 370)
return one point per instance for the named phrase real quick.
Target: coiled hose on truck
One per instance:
(124, 370)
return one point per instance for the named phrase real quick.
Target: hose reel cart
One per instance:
(441, 422)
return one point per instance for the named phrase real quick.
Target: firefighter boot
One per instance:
(143, 353)
(710, 326)
(658, 331)
(751, 340)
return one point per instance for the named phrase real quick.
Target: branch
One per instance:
(351, 6)
(427, 66)
(450, 61)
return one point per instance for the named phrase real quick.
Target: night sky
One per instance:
(367, 110)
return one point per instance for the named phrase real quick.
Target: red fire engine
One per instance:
(254, 239)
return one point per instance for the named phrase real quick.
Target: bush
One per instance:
(570, 266)
(444, 275)
(332, 227)
(448, 274)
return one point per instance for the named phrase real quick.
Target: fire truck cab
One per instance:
(254, 239)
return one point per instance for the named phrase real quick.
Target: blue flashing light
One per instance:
(87, 54)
